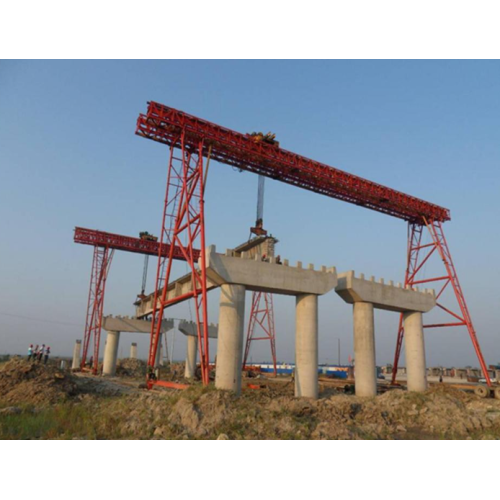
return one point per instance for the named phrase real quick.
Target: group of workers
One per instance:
(276, 261)
(38, 353)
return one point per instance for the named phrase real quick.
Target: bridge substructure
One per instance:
(237, 274)
(367, 295)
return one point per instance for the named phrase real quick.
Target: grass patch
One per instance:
(62, 421)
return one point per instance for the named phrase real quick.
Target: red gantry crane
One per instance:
(191, 140)
(105, 245)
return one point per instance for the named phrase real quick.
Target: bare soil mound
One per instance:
(130, 367)
(441, 413)
(22, 381)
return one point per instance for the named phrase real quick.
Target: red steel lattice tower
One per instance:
(418, 255)
(100, 268)
(182, 226)
(261, 323)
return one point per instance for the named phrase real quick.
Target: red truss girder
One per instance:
(261, 319)
(417, 256)
(126, 243)
(100, 268)
(164, 124)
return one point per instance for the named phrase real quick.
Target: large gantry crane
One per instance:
(191, 140)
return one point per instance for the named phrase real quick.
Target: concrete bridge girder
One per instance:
(384, 296)
(133, 325)
(268, 276)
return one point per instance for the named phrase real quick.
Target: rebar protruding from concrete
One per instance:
(415, 352)
(76, 355)
(192, 351)
(365, 374)
(230, 341)
(133, 350)
(306, 346)
(111, 353)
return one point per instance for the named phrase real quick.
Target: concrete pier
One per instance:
(230, 343)
(192, 351)
(369, 294)
(76, 355)
(306, 346)
(111, 353)
(133, 350)
(415, 352)
(365, 375)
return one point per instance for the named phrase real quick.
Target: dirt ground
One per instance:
(43, 402)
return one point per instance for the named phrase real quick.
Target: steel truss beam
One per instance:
(183, 224)
(164, 124)
(261, 315)
(417, 256)
(125, 243)
(100, 269)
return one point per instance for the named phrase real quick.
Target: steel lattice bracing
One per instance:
(100, 268)
(164, 124)
(183, 226)
(261, 325)
(417, 256)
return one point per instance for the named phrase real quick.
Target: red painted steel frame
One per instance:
(262, 314)
(164, 124)
(183, 224)
(417, 256)
(100, 268)
(125, 243)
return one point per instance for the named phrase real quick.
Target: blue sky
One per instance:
(69, 156)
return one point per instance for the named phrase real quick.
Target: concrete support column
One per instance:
(306, 346)
(365, 370)
(111, 353)
(230, 338)
(192, 351)
(133, 350)
(415, 351)
(76, 355)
